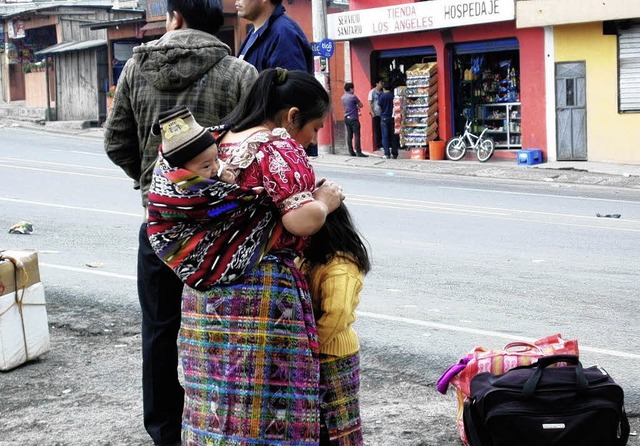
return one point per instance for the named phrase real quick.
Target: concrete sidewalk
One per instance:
(577, 172)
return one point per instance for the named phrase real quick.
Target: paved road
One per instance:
(92, 341)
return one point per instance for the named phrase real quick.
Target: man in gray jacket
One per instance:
(187, 66)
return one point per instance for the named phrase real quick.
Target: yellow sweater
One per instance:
(335, 290)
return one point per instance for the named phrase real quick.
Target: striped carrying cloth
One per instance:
(208, 232)
(339, 402)
(249, 354)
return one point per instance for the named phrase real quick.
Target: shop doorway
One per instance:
(486, 90)
(394, 66)
(571, 111)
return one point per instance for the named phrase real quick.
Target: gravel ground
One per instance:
(86, 390)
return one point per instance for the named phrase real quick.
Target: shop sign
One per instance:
(422, 16)
(15, 29)
(324, 48)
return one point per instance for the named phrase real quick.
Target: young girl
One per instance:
(336, 261)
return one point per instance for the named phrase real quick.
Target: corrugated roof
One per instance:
(65, 47)
(113, 23)
(8, 10)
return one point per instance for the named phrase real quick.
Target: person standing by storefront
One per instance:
(351, 106)
(274, 41)
(188, 65)
(374, 111)
(386, 122)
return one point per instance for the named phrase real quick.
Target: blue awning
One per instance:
(404, 52)
(486, 46)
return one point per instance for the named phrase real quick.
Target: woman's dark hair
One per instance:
(203, 15)
(338, 234)
(277, 89)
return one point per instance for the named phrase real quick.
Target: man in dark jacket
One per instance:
(385, 101)
(187, 66)
(274, 40)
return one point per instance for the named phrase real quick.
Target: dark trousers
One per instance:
(312, 150)
(377, 132)
(353, 132)
(388, 143)
(160, 294)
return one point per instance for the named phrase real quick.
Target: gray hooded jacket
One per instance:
(184, 67)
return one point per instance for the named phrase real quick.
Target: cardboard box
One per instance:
(418, 153)
(24, 327)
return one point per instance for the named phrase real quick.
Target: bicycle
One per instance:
(457, 147)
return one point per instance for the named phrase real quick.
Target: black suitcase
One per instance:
(539, 406)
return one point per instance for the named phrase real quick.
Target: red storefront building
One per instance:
(449, 61)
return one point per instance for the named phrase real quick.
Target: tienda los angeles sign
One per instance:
(421, 16)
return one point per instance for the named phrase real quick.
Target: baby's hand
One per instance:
(227, 175)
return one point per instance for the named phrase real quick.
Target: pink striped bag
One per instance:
(481, 359)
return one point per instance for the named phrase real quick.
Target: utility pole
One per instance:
(321, 70)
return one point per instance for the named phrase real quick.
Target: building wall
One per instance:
(532, 76)
(610, 135)
(553, 12)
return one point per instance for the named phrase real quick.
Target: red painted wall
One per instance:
(532, 78)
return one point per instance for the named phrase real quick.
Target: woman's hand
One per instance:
(309, 218)
(330, 194)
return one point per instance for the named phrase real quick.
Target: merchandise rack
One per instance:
(503, 123)
(419, 111)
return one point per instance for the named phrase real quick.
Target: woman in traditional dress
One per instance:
(248, 343)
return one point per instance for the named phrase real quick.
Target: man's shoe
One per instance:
(352, 153)
(362, 155)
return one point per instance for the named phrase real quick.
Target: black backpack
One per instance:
(538, 406)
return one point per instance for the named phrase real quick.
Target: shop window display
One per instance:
(488, 91)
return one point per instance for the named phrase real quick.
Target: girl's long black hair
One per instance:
(338, 234)
(277, 89)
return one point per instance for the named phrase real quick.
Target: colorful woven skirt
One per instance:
(249, 354)
(339, 402)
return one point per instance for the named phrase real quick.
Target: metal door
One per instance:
(571, 112)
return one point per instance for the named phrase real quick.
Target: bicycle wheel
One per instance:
(485, 150)
(456, 148)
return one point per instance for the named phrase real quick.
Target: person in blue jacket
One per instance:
(274, 39)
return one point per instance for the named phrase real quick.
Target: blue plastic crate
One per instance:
(529, 157)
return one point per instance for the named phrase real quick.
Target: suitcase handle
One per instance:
(532, 383)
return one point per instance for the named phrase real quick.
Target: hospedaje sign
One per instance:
(413, 17)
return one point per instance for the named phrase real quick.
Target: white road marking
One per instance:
(494, 334)
(66, 172)
(403, 320)
(52, 163)
(77, 208)
(87, 271)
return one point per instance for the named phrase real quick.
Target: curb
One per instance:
(595, 174)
